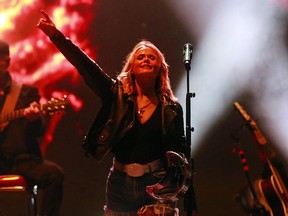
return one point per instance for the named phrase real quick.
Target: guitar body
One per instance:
(271, 192)
(269, 196)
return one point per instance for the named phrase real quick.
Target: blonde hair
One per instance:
(162, 86)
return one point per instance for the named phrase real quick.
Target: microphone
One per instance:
(187, 52)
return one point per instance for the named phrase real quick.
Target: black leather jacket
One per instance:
(116, 116)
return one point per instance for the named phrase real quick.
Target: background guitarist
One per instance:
(19, 149)
(271, 189)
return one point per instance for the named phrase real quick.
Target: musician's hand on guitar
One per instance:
(32, 112)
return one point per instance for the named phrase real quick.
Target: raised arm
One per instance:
(93, 75)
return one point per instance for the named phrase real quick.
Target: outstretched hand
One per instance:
(46, 25)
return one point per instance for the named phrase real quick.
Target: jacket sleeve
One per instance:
(100, 82)
(174, 138)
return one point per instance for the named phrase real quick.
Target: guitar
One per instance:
(54, 105)
(272, 192)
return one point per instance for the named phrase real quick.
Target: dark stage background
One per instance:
(107, 30)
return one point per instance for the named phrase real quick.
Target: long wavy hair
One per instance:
(162, 84)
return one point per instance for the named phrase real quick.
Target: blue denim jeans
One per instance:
(126, 195)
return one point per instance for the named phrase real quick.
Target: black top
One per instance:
(142, 144)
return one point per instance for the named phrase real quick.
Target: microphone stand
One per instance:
(190, 203)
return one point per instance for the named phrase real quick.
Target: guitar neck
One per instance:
(252, 123)
(7, 117)
(52, 106)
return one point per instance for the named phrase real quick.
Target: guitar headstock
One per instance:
(243, 112)
(252, 123)
(55, 105)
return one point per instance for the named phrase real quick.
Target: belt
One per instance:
(137, 170)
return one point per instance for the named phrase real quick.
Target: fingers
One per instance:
(45, 15)
(32, 113)
(35, 105)
(34, 108)
(45, 19)
(46, 25)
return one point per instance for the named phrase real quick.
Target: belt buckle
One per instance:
(134, 170)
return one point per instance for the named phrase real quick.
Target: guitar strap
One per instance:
(11, 100)
(12, 97)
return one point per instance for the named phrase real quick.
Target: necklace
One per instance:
(141, 110)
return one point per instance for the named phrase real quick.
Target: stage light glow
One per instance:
(9, 10)
(241, 50)
(33, 59)
(3, 21)
(59, 17)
